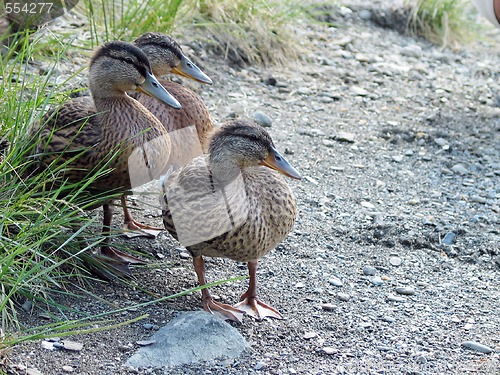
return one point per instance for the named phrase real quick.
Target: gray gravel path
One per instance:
(394, 264)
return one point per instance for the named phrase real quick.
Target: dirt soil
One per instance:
(394, 261)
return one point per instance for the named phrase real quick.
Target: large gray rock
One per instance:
(191, 337)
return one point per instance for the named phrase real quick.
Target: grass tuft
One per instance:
(45, 236)
(444, 22)
(252, 31)
(243, 31)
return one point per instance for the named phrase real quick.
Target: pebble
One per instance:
(343, 297)
(393, 298)
(473, 345)
(384, 348)
(367, 205)
(300, 285)
(345, 137)
(388, 319)
(376, 280)
(405, 290)
(359, 91)
(369, 270)
(148, 326)
(328, 143)
(68, 368)
(311, 132)
(328, 306)
(446, 171)
(260, 366)
(335, 282)
(412, 50)
(310, 335)
(184, 255)
(395, 261)
(329, 350)
(398, 158)
(478, 199)
(413, 201)
(460, 169)
(311, 180)
(421, 360)
(27, 306)
(48, 345)
(343, 42)
(449, 238)
(441, 141)
(145, 342)
(262, 119)
(365, 14)
(365, 324)
(271, 81)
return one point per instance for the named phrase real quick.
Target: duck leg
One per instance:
(222, 310)
(130, 224)
(249, 301)
(115, 257)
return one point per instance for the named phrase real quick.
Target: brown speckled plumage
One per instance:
(165, 54)
(109, 123)
(104, 137)
(104, 130)
(261, 208)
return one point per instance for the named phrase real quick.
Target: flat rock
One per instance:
(472, 345)
(262, 119)
(407, 291)
(190, 338)
(345, 137)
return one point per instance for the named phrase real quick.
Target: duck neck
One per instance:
(224, 168)
(112, 104)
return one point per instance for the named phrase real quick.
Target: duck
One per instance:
(188, 127)
(108, 130)
(167, 57)
(233, 203)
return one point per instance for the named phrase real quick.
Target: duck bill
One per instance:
(153, 88)
(277, 162)
(188, 69)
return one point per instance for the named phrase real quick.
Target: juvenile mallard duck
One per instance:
(89, 133)
(230, 204)
(166, 56)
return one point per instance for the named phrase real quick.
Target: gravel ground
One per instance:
(394, 261)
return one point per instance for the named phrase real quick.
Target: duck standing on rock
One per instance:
(87, 134)
(230, 203)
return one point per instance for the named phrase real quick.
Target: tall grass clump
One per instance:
(243, 31)
(45, 237)
(128, 19)
(252, 31)
(444, 22)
